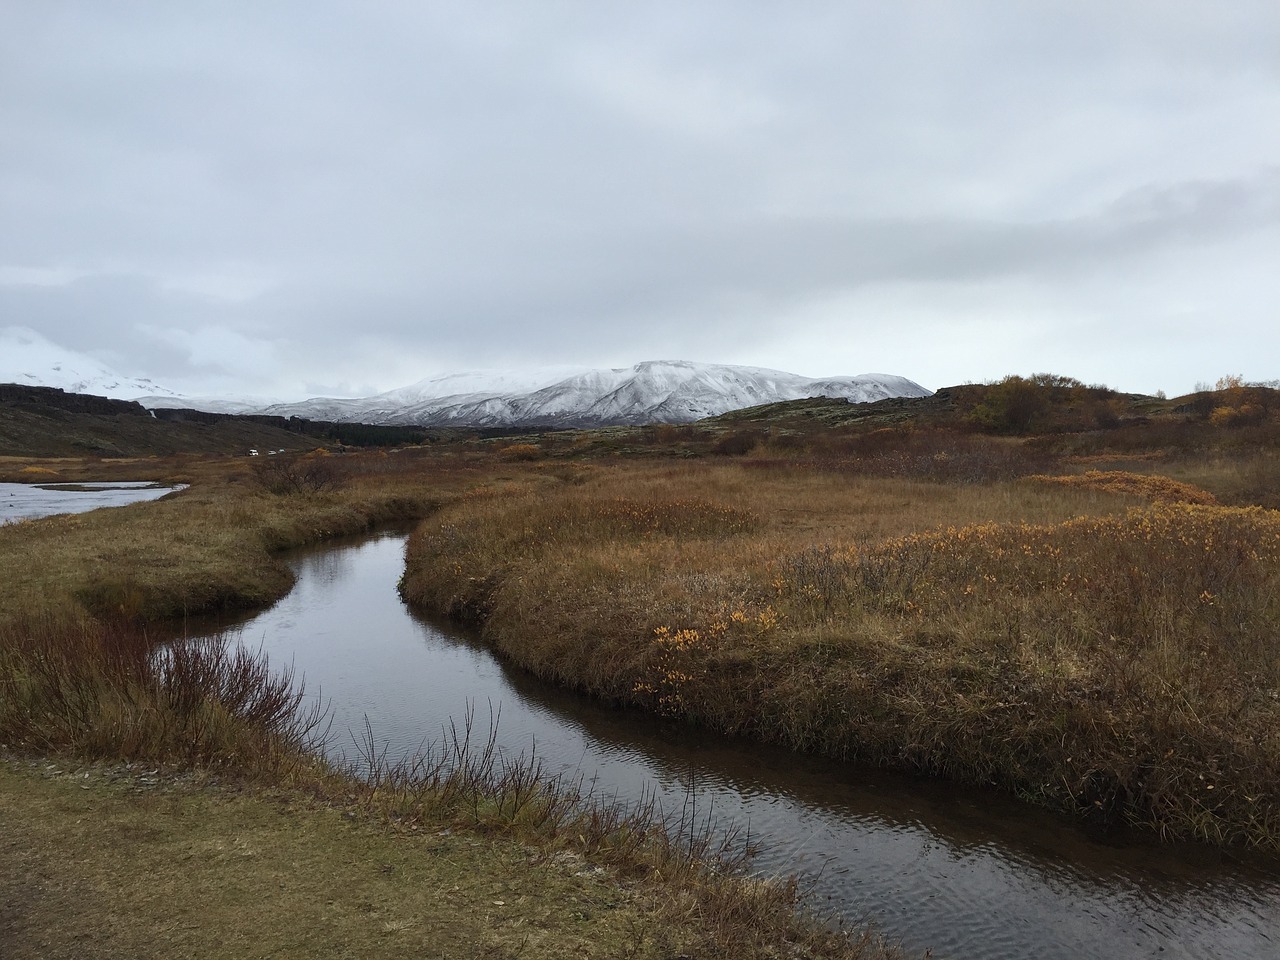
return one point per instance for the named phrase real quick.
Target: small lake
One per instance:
(966, 873)
(26, 501)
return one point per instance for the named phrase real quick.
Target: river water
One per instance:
(26, 501)
(934, 866)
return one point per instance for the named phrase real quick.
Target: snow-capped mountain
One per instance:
(235, 405)
(650, 392)
(34, 361)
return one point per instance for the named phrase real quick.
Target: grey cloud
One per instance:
(452, 184)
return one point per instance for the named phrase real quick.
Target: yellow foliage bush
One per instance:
(1243, 415)
(521, 451)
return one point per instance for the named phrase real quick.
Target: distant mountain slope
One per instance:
(649, 392)
(228, 405)
(29, 359)
(673, 391)
(46, 422)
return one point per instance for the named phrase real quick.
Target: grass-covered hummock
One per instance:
(1061, 642)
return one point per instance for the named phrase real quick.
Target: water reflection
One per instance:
(960, 871)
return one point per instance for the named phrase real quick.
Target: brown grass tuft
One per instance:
(1152, 487)
(111, 693)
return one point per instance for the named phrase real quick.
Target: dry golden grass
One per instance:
(1251, 479)
(1154, 487)
(1058, 641)
(212, 546)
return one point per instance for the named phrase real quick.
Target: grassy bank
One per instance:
(136, 861)
(466, 855)
(1094, 645)
(213, 546)
(110, 861)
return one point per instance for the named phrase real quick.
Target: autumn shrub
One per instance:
(1104, 413)
(1233, 402)
(737, 442)
(1244, 415)
(669, 434)
(521, 452)
(1041, 402)
(287, 475)
(1014, 405)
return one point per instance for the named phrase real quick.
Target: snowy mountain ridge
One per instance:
(655, 391)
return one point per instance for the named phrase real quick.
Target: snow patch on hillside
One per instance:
(32, 360)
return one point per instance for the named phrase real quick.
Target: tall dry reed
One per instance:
(111, 693)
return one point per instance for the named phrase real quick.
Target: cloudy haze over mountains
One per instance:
(321, 199)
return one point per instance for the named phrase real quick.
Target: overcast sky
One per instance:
(334, 198)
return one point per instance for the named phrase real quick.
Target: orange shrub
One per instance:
(521, 451)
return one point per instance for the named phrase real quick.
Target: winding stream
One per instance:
(968, 874)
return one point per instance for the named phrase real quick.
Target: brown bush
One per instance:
(737, 443)
(293, 476)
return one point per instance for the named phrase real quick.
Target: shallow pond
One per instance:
(968, 874)
(26, 501)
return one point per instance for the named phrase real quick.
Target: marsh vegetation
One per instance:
(1073, 607)
(84, 684)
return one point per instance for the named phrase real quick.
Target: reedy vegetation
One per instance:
(1074, 646)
